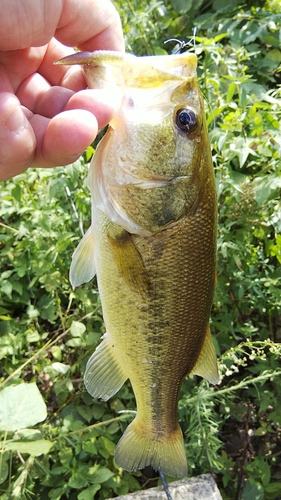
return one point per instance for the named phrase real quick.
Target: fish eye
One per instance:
(186, 119)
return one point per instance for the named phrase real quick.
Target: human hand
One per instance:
(47, 118)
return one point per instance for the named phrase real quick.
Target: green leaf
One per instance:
(86, 412)
(34, 448)
(77, 329)
(29, 434)
(215, 113)
(7, 288)
(75, 342)
(230, 92)
(60, 367)
(107, 444)
(4, 470)
(89, 493)
(78, 480)
(101, 475)
(266, 187)
(253, 491)
(16, 192)
(182, 5)
(32, 336)
(21, 406)
(273, 488)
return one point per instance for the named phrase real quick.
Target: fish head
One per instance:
(151, 167)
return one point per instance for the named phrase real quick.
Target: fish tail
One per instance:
(139, 448)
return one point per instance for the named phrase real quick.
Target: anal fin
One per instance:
(206, 364)
(104, 376)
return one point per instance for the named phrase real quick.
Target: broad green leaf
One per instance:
(266, 187)
(60, 367)
(7, 288)
(29, 434)
(56, 352)
(253, 491)
(77, 328)
(16, 192)
(21, 406)
(89, 493)
(273, 488)
(75, 342)
(101, 475)
(182, 5)
(86, 412)
(78, 480)
(32, 336)
(34, 448)
(107, 444)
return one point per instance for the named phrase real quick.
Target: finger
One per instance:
(63, 139)
(28, 23)
(5, 83)
(90, 25)
(72, 77)
(32, 90)
(36, 94)
(99, 102)
(93, 24)
(20, 64)
(17, 140)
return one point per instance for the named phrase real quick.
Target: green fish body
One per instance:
(152, 244)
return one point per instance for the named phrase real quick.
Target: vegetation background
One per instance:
(56, 441)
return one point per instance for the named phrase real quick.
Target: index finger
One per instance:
(97, 26)
(90, 25)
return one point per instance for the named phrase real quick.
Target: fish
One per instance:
(152, 246)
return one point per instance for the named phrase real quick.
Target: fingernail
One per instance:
(16, 120)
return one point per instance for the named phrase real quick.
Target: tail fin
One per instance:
(138, 448)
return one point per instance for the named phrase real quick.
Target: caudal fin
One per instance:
(138, 448)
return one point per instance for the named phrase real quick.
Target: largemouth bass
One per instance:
(152, 244)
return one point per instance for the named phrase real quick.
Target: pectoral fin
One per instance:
(104, 375)
(129, 262)
(206, 365)
(83, 267)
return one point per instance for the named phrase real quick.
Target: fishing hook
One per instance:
(182, 43)
(165, 485)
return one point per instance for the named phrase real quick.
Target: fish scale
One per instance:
(152, 244)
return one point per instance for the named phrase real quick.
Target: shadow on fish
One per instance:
(152, 245)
